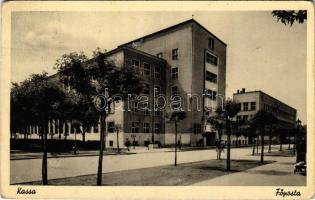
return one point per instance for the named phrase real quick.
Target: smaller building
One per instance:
(254, 101)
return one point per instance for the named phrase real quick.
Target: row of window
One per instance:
(211, 59)
(244, 117)
(278, 110)
(135, 126)
(211, 94)
(211, 77)
(146, 68)
(174, 54)
(247, 104)
(146, 89)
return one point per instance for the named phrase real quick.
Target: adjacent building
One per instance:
(253, 101)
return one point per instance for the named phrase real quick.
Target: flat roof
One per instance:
(173, 27)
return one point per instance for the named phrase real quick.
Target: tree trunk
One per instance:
(254, 142)
(44, 161)
(118, 150)
(220, 137)
(270, 140)
(100, 159)
(228, 153)
(280, 145)
(257, 144)
(289, 143)
(294, 144)
(262, 145)
(25, 130)
(60, 129)
(83, 134)
(175, 163)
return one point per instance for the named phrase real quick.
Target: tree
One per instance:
(218, 124)
(261, 120)
(42, 99)
(235, 129)
(101, 82)
(227, 112)
(282, 135)
(175, 117)
(18, 111)
(290, 16)
(84, 113)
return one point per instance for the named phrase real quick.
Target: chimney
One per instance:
(238, 91)
(243, 90)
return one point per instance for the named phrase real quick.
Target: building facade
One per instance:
(184, 62)
(254, 101)
(196, 63)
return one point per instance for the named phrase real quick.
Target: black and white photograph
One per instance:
(122, 96)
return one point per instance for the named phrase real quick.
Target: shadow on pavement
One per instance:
(268, 172)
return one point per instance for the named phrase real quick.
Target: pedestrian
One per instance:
(127, 144)
(179, 144)
(217, 147)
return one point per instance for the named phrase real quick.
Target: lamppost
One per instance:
(298, 124)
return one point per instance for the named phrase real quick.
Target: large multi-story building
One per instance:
(185, 60)
(196, 61)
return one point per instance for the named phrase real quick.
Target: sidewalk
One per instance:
(276, 173)
(21, 155)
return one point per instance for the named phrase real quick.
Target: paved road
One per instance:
(30, 170)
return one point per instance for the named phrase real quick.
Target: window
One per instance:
(197, 128)
(111, 143)
(134, 107)
(157, 72)
(135, 127)
(146, 89)
(211, 43)
(146, 68)
(146, 127)
(211, 59)
(135, 64)
(111, 127)
(175, 54)
(157, 90)
(252, 105)
(245, 117)
(146, 111)
(174, 73)
(211, 94)
(156, 128)
(157, 110)
(211, 77)
(174, 90)
(159, 55)
(245, 106)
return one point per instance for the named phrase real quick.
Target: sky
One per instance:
(261, 53)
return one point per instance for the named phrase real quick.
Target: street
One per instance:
(281, 170)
